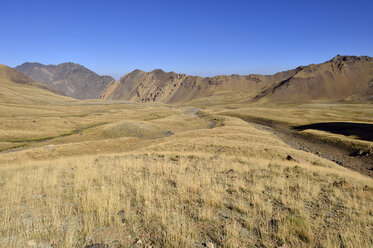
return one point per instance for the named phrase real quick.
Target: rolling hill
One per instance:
(72, 79)
(18, 88)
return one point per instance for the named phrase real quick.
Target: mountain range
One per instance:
(343, 78)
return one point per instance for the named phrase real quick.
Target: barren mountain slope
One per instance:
(341, 78)
(72, 79)
(170, 87)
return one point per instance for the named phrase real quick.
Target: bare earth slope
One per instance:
(72, 79)
(342, 78)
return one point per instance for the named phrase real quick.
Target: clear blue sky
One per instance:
(194, 37)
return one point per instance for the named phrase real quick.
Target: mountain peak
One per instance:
(30, 64)
(71, 79)
(137, 71)
(350, 59)
(69, 64)
(158, 71)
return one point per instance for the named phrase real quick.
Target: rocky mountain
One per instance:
(71, 79)
(18, 88)
(342, 78)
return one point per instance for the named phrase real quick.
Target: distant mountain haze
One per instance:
(342, 78)
(71, 79)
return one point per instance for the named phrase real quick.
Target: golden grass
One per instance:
(182, 200)
(143, 175)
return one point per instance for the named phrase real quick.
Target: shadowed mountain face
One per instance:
(72, 79)
(347, 78)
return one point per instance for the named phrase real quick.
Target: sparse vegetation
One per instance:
(120, 199)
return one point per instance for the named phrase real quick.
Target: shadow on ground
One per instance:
(363, 131)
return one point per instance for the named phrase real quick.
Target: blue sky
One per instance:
(195, 37)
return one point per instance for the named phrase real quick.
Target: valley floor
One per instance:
(120, 174)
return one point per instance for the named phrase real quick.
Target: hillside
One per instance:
(342, 78)
(72, 79)
(18, 88)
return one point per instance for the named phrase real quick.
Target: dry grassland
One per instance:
(116, 174)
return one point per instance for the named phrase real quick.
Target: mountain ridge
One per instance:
(340, 78)
(158, 85)
(74, 80)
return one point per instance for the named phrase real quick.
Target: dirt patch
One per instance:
(193, 111)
